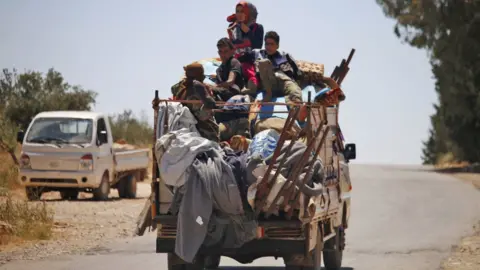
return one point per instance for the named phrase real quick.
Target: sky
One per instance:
(124, 50)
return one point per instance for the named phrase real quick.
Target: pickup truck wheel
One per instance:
(69, 194)
(173, 262)
(333, 253)
(101, 193)
(197, 264)
(127, 187)
(212, 262)
(33, 193)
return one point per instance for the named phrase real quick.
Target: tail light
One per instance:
(86, 162)
(25, 162)
(260, 232)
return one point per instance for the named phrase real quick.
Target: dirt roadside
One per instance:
(81, 226)
(466, 255)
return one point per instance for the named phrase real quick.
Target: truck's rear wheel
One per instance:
(33, 193)
(101, 193)
(174, 263)
(212, 261)
(333, 253)
(197, 264)
(69, 194)
(127, 186)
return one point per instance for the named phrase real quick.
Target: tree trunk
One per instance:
(14, 157)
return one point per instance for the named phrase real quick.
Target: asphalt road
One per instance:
(402, 218)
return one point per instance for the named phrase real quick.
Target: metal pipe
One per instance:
(243, 103)
(154, 185)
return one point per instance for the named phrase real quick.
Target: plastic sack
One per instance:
(264, 143)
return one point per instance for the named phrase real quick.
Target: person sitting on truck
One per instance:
(229, 77)
(229, 83)
(278, 71)
(192, 88)
(246, 35)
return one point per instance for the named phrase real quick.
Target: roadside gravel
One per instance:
(82, 226)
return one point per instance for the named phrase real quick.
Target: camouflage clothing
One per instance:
(195, 90)
(278, 82)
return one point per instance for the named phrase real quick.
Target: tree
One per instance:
(25, 95)
(127, 127)
(450, 32)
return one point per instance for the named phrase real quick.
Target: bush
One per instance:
(18, 217)
(24, 220)
(136, 131)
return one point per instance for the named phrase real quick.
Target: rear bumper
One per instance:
(257, 248)
(58, 179)
(264, 247)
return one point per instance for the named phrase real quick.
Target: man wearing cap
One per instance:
(192, 88)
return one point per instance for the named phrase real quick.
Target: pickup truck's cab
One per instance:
(72, 151)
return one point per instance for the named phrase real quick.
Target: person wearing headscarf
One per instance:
(246, 34)
(191, 87)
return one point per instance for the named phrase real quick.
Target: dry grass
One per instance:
(24, 220)
(466, 256)
(20, 219)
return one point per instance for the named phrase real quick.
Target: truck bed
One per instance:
(129, 160)
(322, 207)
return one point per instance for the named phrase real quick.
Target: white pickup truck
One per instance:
(72, 151)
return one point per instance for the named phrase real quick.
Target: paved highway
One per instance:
(403, 217)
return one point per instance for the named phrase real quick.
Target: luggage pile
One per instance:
(221, 190)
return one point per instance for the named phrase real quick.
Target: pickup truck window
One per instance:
(60, 130)
(101, 126)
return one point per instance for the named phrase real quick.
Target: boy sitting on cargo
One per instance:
(229, 77)
(246, 34)
(229, 83)
(192, 88)
(278, 72)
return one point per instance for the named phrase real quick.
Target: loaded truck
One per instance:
(72, 152)
(300, 231)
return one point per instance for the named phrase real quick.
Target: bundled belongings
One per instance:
(206, 192)
(260, 155)
(233, 118)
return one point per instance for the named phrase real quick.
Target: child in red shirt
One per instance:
(246, 34)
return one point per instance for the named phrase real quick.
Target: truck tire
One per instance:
(212, 261)
(333, 253)
(69, 194)
(101, 193)
(173, 263)
(33, 193)
(316, 254)
(197, 264)
(127, 187)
